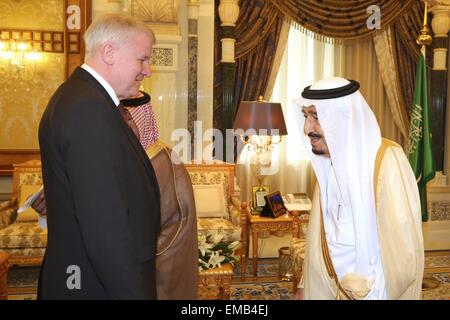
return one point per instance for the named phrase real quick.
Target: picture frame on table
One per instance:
(274, 205)
(258, 200)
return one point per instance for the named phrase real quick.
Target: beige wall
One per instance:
(23, 98)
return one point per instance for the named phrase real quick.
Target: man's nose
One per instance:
(308, 127)
(146, 71)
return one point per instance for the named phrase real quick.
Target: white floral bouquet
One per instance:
(213, 251)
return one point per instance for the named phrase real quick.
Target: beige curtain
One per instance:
(386, 51)
(357, 60)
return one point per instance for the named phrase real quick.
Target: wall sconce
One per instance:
(17, 58)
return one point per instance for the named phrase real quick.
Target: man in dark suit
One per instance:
(102, 196)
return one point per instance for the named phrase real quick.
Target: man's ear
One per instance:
(107, 53)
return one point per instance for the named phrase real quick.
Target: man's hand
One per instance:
(298, 294)
(39, 204)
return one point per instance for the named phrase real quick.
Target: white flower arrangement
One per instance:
(213, 251)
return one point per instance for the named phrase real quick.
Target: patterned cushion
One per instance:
(206, 225)
(298, 250)
(209, 178)
(6, 204)
(30, 178)
(7, 217)
(304, 226)
(23, 235)
(209, 201)
(25, 251)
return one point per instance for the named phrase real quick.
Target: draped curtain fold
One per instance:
(406, 29)
(386, 52)
(281, 48)
(339, 19)
(406, 63)
(257, 34)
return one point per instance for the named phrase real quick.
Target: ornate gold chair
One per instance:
(218, 209)
(298, 247)
(20, 234)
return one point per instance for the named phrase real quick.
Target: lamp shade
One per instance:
(260, 115)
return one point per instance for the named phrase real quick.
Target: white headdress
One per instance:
(353, 138)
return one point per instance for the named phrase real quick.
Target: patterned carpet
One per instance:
(22, 282)
(262, 291)
(437, 268)
(267, 286)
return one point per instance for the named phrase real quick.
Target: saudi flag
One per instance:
(420, 152)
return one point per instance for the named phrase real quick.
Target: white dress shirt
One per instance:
(103, 82)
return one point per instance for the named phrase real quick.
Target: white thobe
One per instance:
(340, 234)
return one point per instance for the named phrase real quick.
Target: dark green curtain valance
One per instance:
(340, 19)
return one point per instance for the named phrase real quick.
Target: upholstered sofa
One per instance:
(20, 234)
(218, 209)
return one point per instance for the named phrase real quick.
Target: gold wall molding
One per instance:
(156, 11)
(160, 15)
(163, 57)
(440, 211)
(40, 40)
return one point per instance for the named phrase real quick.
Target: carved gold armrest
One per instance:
(8, 212)
(8, 204)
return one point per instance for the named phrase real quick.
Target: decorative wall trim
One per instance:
(155, 10)
(74, 42)
(440, 211)
(8, 157)
(163, 57)
(44, 41)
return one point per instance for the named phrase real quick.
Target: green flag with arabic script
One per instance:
(419, 151)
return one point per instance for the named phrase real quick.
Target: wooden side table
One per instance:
(256, 224)
(219, 278)
(4, 265)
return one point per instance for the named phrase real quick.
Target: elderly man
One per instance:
(177, 249)
(101, 191)
(365, 238)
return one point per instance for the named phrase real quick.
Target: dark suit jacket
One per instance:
(102, 198)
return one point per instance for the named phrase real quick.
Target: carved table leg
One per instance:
(255, 252)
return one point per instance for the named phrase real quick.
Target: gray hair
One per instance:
(116, 28)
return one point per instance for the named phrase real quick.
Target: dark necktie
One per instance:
(126, 115)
